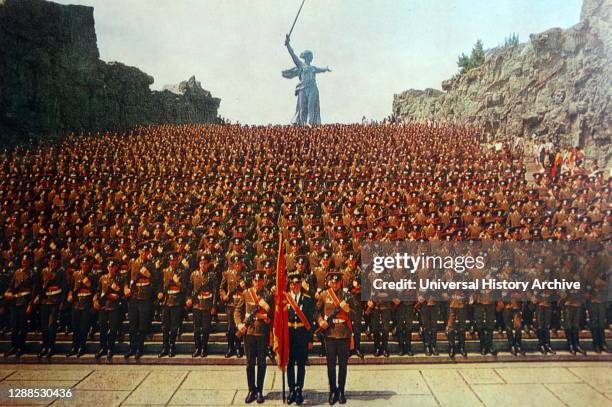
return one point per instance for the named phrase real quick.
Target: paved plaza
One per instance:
(486, 384)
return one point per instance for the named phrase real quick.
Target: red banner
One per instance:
(281, 318)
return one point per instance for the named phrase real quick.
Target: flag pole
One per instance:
(284, 398)
(296, 17)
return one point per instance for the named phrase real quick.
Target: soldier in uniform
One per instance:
(140, 306)
(597, 313)
(334, 312)
(230, 290)
(19, 292)
(429, 309)
(51, 297)
(300, 311)
(108, 303)
(380, 320)
(203, 299)
(171, 294)
(456, 323)
(81, 296)
(351, 279)
(253, 317)
(484, 318)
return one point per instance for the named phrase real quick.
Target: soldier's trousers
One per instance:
(543, 315)
(429, 323)
(298, 355)
(484, 319)
(380, 321)
(201, 327)
(598, 323)
(19, 325)
(404, 315)
(233, 341)
(171, 322)
(81, 322)
(48, 324)
(456, 328)
(572, 317)
(337, 353)
(139, 314)
(109, 321)
(256, 349)
(357, 320)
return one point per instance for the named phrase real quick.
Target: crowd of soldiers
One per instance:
(167, 221)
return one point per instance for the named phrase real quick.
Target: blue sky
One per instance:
(375, 48)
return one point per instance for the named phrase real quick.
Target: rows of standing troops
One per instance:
(167, 220)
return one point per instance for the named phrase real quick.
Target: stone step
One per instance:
(183, 359)
(219, 335)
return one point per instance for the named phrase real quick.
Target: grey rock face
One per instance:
(52, 80)
(557, 86)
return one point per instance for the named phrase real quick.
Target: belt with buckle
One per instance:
(83, 294)
(338, 321)
(53, 292)
(173, 292)
(204, 296)
(295, 325)
(142, 284)
(23, 293)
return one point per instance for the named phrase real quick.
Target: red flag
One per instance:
(281, 318)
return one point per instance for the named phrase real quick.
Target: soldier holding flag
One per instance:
(300, 310)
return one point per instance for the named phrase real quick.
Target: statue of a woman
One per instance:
(307, 110)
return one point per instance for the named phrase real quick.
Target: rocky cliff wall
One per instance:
(557, 86)
(52, 80)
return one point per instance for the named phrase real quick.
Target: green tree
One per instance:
(474, 60)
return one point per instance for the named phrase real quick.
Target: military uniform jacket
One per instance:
(82, 290)
(141, 286)
(173, 291)
(110, 292)
(263, 317)
(54, 286)
(325, 308)
(230, 286)
(22, 287)
(307, 305)
(202, 290)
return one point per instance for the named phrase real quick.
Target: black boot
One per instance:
(595, 339)
(103, 351)
(462, 344)
(576, 342)
(43, 352)
(81, 352)
(252, 395)
(164, 352)
(570, 341)
(197, 339)
(451, 343)
(546, 333)
(483, 341)
(204, 350)
(602, 340)
(231, 350)
(333, 397)
(510, 338)
(426, 342)
(11, 351)
(261, 377)
(292, 396)
(73, 351)
(541, 341)
(377, 347)
(140, 350)
(341, 396)
(433, 335)
(518, 343)
(239, 348)
(299, 397)
(173, 335)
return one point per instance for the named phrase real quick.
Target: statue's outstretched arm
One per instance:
(295, 58)
(322, 70)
